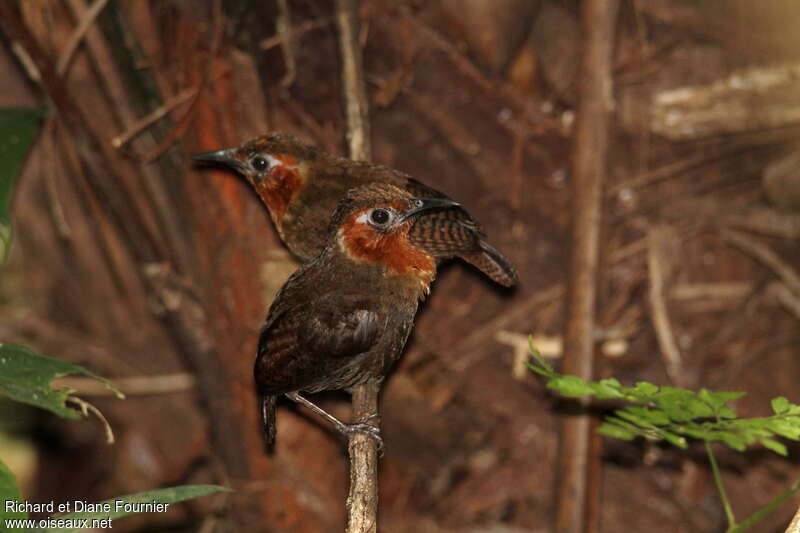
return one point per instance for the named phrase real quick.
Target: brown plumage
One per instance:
(301, 185)
(344, 316)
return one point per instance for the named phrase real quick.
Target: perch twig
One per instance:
(362, 499)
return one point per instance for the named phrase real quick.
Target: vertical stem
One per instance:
(588, 170)
(355, 98)
(362, 499)
(726, 504)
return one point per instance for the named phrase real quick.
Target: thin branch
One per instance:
(284, 30)
(765, 255)
(576, 490)
(87, 18)
(353, 82)
(782, 294)
(131, 386)
(183, 124)
(299, 31)
(134, 130)
(656, 266)
(362, 499)
(113, 83)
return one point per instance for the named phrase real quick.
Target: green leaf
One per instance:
(5, 242)
(673, 414)
(9, 491)
(571, 386)
(784, 428)
(636, 415)
(780, 405)
(541, 366)
(775, 446)
(717, 401)
(26, 377)
(616, 432)
(118, 507)
(645, 389)
(17, 130)
(607, 389)
(733, 440)
(675, 440)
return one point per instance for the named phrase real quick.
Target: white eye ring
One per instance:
(368, 217)
(270, 161)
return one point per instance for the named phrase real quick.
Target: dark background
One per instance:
(133, 262)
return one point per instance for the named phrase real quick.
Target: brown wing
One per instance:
(457, 215)
(308, 346)
(454, 233)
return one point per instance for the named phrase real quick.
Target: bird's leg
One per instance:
(347, 429)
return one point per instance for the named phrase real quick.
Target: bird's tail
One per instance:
(494, 264)
(268, 407)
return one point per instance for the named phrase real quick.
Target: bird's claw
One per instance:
(374, 416)
(365, 429)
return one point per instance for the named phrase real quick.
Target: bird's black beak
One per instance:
(421, 205)
(225, 157)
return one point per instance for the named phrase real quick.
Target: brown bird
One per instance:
(343, 317)
(301, 185)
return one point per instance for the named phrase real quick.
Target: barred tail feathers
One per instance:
(494, 264)
(268, 407)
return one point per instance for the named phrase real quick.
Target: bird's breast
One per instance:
(394, 253)
(284, 183)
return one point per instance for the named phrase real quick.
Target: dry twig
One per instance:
(657, 268)
(102, 56)
(787, 298)
(135, 129)
(765, 255)
(131, 386)
(362, 499)
(577, 488)
(299, 31)
(86, 21)
(284, 30)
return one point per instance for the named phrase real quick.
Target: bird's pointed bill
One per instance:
(226, 157)
(421, 205)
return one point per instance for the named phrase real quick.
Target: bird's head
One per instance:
(276, 165)
(371, 225)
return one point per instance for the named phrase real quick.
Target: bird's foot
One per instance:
(362, 426)
(374, 416)
(365, 428)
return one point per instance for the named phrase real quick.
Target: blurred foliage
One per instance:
(18, 127)
(673, 414)
(26, 377)
(8, 491)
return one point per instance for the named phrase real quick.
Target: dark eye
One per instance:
(379, 217)
(259, 163)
